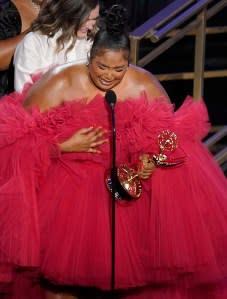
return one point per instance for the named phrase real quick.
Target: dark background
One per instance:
(180, 58)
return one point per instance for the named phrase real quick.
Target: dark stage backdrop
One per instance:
(139, 10)
(180, 58)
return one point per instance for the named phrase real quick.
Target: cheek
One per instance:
(119, 76)
(95, 74)
(91, 23)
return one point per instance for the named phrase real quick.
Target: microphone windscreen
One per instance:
(111, 97)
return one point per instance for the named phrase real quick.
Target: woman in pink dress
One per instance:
(55, 207)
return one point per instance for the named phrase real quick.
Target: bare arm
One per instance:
(10, 33)
(157, 89)
(7, 48)
(143, 80)
(154, 88)
(47, 93)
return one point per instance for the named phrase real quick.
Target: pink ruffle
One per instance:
(175, 234)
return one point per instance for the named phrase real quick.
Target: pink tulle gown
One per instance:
(55, 209)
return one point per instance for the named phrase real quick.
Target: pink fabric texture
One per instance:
(55, 209)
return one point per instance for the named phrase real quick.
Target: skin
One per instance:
(89, 24)
(50, 295)
(108, 71)
(7, 47)
(28, 14)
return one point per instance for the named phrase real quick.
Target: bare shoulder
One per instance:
(53, 88)
(146, 81)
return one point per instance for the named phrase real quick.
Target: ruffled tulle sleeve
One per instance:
(192, 119)
(144, 122)
(141, 123)
(27, 142)
(147, 120)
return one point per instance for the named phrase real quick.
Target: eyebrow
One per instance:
(114, 67)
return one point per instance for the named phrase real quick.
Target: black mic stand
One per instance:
(111, 100)
(113, 214)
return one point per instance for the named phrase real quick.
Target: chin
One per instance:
(102, 88)
(81, 35)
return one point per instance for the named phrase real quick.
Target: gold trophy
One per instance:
(168, 142)
(128, 184)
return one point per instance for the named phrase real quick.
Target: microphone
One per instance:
(111, 98)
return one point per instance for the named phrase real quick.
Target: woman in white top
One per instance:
(62, 33)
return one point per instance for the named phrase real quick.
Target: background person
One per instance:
(15, 19)
(63, 32)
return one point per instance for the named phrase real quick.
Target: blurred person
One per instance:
(15, 19)
(63, 32)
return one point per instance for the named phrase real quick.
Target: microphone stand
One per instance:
(113, 214)
(111, 98)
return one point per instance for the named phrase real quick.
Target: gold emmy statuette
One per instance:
(168, 142)
(128, 185)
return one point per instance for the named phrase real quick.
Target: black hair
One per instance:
(113, 32)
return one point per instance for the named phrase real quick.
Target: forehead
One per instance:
(94, 13)
(112, 58)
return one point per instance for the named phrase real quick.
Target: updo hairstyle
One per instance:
(112, 33)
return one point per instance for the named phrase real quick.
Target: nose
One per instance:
(108, 76)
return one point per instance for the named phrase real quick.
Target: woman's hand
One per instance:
(85, 140)
(146, 166)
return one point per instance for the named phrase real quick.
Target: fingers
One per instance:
(146, 166)
(92, 133)
(85, 130)
(93, 151)
(94, 145)
(97, 143)
(84, 140)
(93, 138)
(96, 134)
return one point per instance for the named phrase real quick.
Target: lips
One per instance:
(105, 82)
(82, 32)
